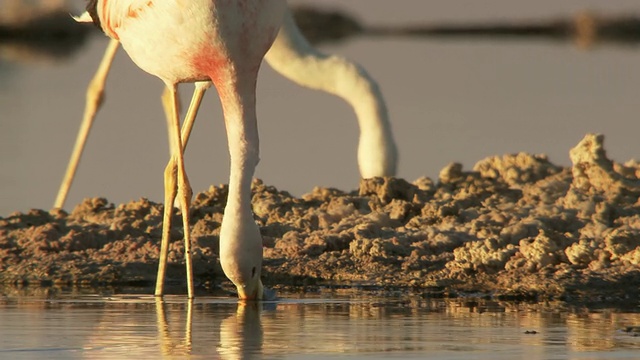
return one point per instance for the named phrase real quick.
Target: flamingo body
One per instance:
(196, 40)
(188, 41)
(224, 41)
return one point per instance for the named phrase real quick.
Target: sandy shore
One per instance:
(516, 226)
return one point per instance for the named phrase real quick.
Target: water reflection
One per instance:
(304, 326)
(169, 345)
(241, 334)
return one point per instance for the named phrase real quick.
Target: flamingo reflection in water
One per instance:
(124, 329)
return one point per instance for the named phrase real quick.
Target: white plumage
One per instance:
(225, 41)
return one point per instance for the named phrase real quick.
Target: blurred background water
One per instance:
(451, 99)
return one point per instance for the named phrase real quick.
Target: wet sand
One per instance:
(514, 227)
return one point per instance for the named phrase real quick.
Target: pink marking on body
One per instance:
(213, 62)
(133, 13)
(106, 21)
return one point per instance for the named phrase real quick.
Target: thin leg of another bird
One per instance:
(171, 172)
(95, 93)
(184, 198)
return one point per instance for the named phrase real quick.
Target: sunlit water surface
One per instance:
(331, 324)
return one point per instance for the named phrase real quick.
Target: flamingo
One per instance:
(291, 55)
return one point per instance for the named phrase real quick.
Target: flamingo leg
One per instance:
(200, 88)
(170, 191)
(95, 93)
(167, 106)
(169, 100)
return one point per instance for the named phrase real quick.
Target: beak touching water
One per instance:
(258, 293)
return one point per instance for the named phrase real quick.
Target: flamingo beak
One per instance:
(260, 293)
(250, 295)
(242, 295)
(84, 17)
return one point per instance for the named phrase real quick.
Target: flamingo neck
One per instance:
(292, 56)
(239, 106)
(240, 239)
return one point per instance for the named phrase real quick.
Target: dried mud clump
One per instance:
(515, 226)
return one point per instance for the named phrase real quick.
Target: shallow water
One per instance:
(324, 324)
(450, 100)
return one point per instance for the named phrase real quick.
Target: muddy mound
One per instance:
(517, 225)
